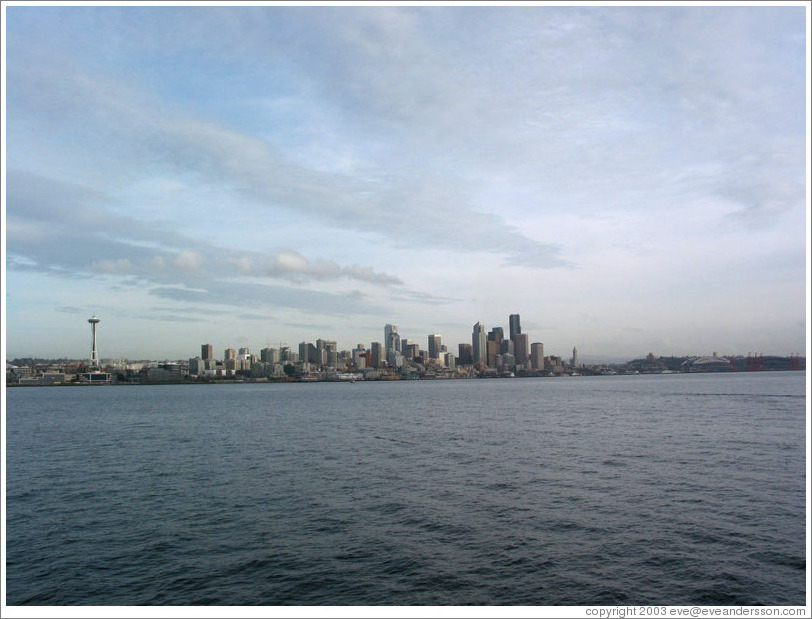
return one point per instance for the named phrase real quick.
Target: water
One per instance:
(671, 489)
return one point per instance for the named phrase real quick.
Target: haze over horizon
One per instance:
(627, 179)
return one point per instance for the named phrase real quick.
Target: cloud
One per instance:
(258, 170)
(62, 229)
(246, 295)
(122, 265)
(188, 261)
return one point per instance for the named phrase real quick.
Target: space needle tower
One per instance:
(94, 356)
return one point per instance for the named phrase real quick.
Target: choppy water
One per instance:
(672, 489)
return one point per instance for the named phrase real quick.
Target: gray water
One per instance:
(670, 489)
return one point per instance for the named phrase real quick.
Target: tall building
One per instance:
(435, 345)
(391, 339)
(328, 352)
(466, 355)
(497, 334)
(479, 344)
(411, 351)
(515, 326)
(359, 356)
(537, 355)
(269, 355)
(495, 338)
(494, 350)
(576, 363)
(378, 355)
(230, 354)
(520, 348)
(206, 351)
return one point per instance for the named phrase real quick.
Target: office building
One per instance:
(435, 346)
(206, 351)
(494, 350)
(378, 355)
(515, 326)
(391, 339)
(465, 356)
(269, 355)
(537, 355)
(479, 344)
(359, 356)
(521, 348)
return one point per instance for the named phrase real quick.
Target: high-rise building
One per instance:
(411, 351)
(497, 334)
(520, 348)
(466, 355)
(230, 354)
(494, 351)
(206, 351)
(515, 326)
(391, 339)
(269, 355)
(576, 363)
(435, 345)
(495, 338)
(537, 355)
(359, 356)
(327, 352)
(479, 344)
(378, 355)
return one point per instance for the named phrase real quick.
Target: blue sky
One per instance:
(628, 179)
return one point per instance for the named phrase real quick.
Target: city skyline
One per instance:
(626, 179)
(518, 346)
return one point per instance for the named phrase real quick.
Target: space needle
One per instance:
(94, 356)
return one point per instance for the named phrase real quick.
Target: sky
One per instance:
(628, 179)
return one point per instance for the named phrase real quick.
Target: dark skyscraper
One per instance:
(435, 345)
(515, 326)
(466, 356)
(206, 351)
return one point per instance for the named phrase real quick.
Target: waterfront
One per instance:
(662, 489)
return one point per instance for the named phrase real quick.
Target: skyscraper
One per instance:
(479, 343)
(377, 355)
(435, 345)
(520, 348)
(206, 351)
(515, 326)
(465, 356)
(391, 339)
(495, 338)
(537, 355)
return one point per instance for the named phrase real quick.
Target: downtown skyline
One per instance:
(627, 179)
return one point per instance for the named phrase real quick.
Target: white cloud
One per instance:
(188, 260)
